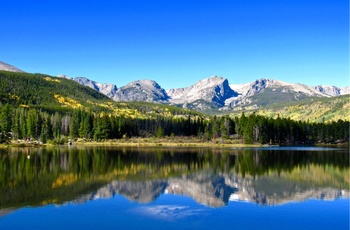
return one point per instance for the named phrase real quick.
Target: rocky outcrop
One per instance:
(213, 90)
(142, 90)
(329, 90)
(332, 90)
(345, 90)
(107, 89)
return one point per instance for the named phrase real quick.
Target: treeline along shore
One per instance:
(38, 125)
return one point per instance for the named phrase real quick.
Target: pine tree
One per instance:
(31, 123)
(160, 132)
(6, 115)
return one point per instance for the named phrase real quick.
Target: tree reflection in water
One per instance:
(39, 176)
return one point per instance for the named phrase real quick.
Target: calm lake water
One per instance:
(172, 188)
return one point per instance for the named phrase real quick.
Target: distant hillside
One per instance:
(57, 94)
(315, 109)
(44, 91)
(310, 109)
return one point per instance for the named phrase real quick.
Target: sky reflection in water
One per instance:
(178, 212)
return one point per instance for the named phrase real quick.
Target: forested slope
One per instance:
(40, 90)
(311, 109)
(44, 108)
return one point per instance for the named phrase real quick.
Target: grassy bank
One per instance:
(168, 142)
(158, 142)
(148, 142)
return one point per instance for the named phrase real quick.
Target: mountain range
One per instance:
(210, 94)
(216, 93)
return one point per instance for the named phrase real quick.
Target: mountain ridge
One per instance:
(7, 67)
(209, 95)
(215, 93)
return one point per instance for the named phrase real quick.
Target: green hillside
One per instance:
(53, 94)
(49, 109)
(43, 91)
(271, 96)
(313, 109)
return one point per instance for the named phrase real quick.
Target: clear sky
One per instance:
(178, 42)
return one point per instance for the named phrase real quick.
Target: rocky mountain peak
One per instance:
(7, 67)
(329, 90)
(142, 90)
(213, 89)
(215, 93)
(345, 90)
(107, 89)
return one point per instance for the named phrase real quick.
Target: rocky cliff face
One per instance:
(214, 90)
(345, 90)
(258, 86)
(332, 90)
(107, 89)
(142, 90)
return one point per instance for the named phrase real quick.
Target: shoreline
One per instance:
(143, 142)
(164, 142)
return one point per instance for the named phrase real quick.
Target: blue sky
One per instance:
(177, 43)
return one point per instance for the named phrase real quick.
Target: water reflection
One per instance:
(40, 176)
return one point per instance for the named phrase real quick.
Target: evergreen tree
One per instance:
(43, 135)
(75, 124)
(31, 123)
(6, 115)
(17, 131)
(160, 132)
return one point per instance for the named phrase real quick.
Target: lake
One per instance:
(174, 188)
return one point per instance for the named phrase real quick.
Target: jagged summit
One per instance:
(211, 93)
(214, 90)
(215, 93)
(107, 89)
(142, 90)
(7, 67)
(332, 90)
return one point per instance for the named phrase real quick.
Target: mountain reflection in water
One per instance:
(40, 176)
